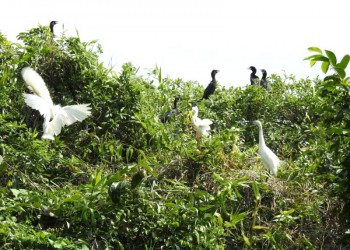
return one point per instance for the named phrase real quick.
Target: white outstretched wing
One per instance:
(36, 84)
(204, 122)
(202, 125)
(37, 103)
(65, 116)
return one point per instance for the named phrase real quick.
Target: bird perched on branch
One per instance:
(212, 85)
(269, 159)
(201, 126)
(173, 111)
(254, 79)
(52, 24)
(55, 116)
(263, 81)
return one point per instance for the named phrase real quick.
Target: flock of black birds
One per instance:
(209, 90)
(254, 80)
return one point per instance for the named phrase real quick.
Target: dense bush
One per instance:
(121, 179)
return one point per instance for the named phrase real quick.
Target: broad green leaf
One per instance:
(344, 62)
(234, 219)
(340, 131)
(288, 212)
(340, 72)
(315, 49)
(321, 58)
(312, 63)
(325, 66)
(332, 57)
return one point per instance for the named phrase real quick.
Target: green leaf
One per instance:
(288, 212)
(256, 190)
(315, 49)
(321, 58)
(340, 72)
(260, 227)
(312, 63)
(332, 57)
(344, 62)
(340, 131)
(325, 66)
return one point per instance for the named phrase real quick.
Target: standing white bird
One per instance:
(55, 116)
(269, 159)
(201, 126)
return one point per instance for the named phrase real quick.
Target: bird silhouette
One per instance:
(211, 87)
(52, 24)
(55, 116)
(263, 81)
(269, 159)
(254, 79)
(165, 118)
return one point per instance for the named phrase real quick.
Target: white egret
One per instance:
(269, 159)
(201, 126)
(55, 116)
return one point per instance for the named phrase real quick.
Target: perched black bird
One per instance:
(211, 87)
(254, 79)
(52, 23)
(263, 82)
(173, 111)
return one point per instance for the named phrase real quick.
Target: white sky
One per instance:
(189, 38)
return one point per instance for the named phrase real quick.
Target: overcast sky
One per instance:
(189, 38)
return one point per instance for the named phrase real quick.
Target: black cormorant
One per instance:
(212, 85)
(173, 111)
(52, 23)
(263, 82)
(254, 79)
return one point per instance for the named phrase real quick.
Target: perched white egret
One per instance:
(201, 126)
(269, 159)
(55, 116)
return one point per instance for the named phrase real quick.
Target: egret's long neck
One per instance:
(261, 136)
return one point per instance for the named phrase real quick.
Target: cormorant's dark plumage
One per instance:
(263, 82)
(254, 79)
(173, 111)
(212, 85)
(52, 23)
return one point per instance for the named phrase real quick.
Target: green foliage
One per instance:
(121, 179)
(328, 58)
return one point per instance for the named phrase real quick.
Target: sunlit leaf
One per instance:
(312, 63)
(340, 131)
(256, 190)
(325, 66)
(332, 57)
(315, 49)
(344, 62)
(340, 72)
(260, 227)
